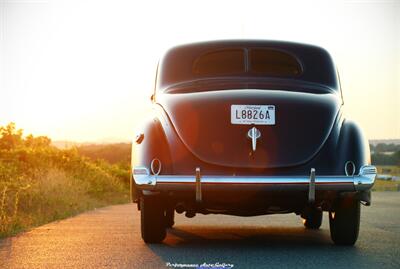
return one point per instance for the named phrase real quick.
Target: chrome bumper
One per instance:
(196, 182)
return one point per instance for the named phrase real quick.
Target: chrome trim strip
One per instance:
(363, 181)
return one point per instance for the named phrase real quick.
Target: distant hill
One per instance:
(112, 153)
(64, 144)
(109, 151)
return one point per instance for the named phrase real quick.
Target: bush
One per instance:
(40, 183)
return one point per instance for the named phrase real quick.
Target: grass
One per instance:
(40, 183)
(389, 169)
(387, 185)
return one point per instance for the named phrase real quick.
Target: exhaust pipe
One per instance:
(180, 208)
(190, 214)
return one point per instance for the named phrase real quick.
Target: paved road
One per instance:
(110, 238)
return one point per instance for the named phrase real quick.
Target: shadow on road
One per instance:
(257, 247)
(248, 237)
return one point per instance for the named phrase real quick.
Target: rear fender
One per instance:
(150, 144)
(353, 146)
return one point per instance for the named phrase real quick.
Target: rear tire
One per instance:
(152, 219)
(344, 222)
(313, 219)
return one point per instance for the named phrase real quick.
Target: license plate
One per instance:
(253, 114)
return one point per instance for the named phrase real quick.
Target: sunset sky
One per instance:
(84, 70)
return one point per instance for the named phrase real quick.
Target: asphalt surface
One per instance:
(110, 238)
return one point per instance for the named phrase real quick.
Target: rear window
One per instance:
(274, 63)
(222, 62)
(264, 62)
(247, 60)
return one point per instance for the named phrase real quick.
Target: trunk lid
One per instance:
(303, 122)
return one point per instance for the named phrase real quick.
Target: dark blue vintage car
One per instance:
(246, 128)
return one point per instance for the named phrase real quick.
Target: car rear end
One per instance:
(251, 128)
